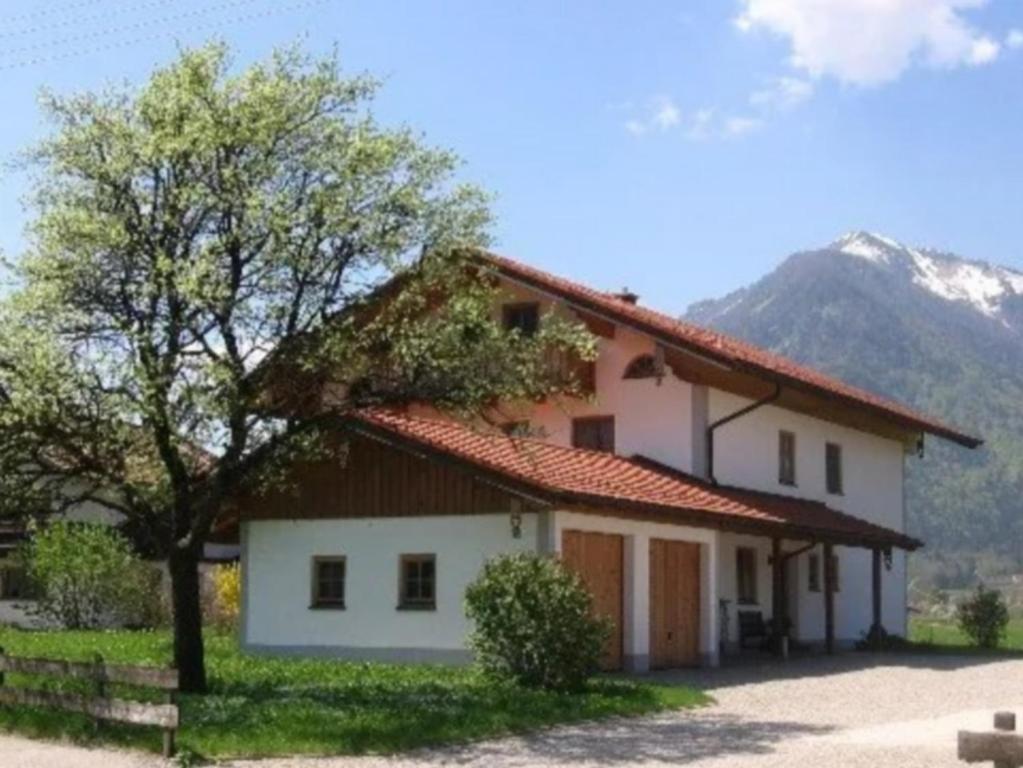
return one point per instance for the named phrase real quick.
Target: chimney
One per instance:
(627, 296)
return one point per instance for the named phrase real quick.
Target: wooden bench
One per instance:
(1002, 747)
(752, 627)
(99, 705)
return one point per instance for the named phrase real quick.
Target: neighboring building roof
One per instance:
(721, 347)
(575, 477)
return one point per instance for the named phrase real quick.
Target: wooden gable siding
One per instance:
(375, 480)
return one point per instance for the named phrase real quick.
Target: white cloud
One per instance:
(782, 93)
(868, 42)
(661, 114)
(635, 127)
(667, 115)
(702, 125)
(736, 127)
(1015, 38)
(984, 51)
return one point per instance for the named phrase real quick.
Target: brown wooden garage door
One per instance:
(674, 603)
(598, 559)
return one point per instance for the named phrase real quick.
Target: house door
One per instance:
(598, 558)
(674, 603)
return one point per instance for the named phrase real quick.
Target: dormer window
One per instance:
(523, 317)
(642, 367)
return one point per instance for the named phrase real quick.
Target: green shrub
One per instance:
(86, 576)
(225, 606)
(534, 623)
(984, 617)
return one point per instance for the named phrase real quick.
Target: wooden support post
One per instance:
(779, 624)
(829, 599)
(170, 733)
(876, 630)
(1, 669)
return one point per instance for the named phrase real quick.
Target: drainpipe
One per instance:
(732, 417)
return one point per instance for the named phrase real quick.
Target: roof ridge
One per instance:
(731, 348)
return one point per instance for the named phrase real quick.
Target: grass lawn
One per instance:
(261, 706)
(944, 634)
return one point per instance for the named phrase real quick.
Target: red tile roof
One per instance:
(722, 348)
(575, 477)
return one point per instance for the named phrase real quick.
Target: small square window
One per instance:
(833, 461)
(328, 582)
(418, 586)
(524, 317)
(746, 575)
(786, 458)
(595, 433)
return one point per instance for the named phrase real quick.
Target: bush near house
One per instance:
(984, 617)
(86, 576)
(534, 623)
(261, 706)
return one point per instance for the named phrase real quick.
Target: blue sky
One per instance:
(680, 148)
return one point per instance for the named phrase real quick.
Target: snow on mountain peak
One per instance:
(868, 245)
(982, 286)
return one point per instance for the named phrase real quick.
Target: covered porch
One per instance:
(787, 596)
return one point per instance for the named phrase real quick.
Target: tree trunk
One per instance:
(189, 656)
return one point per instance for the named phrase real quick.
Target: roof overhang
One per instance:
(702, 363)
(544, 496)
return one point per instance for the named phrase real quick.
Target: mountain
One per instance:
(932, 329)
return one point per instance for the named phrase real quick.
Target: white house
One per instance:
(705, 478)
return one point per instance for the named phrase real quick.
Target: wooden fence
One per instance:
(99, 705)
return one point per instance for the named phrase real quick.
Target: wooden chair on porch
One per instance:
(752, 627)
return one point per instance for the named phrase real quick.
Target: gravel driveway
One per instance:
(851, 710)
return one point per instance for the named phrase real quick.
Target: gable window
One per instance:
(523, 317)
(328, 582)
(745, 575)
(418, 582)
(833, 462)
(813, 573)
(596, 433)
(642, 367)
(787, 458)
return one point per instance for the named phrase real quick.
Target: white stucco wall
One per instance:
(651, 418)
(277, 561)
(746, 455)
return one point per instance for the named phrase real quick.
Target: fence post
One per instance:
(99, 683)
(168, 733)
(1, 671)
